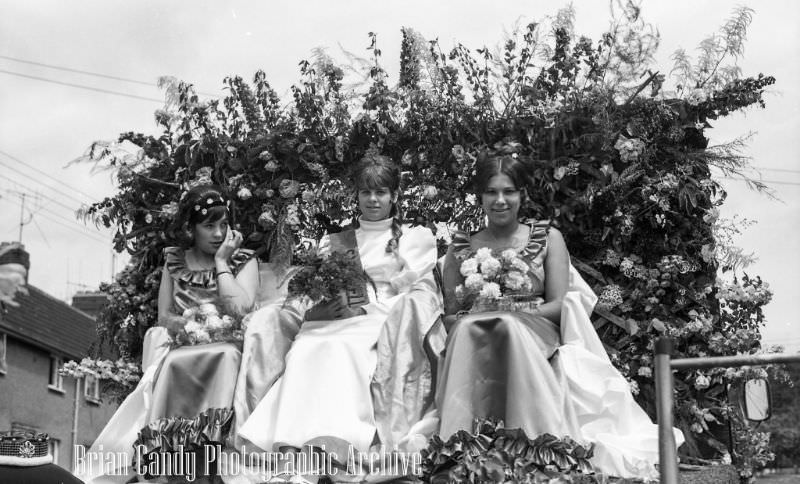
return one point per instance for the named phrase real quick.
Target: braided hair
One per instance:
(379, 171)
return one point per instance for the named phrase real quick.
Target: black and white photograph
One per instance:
(318, 241)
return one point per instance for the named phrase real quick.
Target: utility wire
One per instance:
(80, 86)
(71, 209)
(28, 165)
(69, 69)
(39, 182)
(96, 74)
(73, 228)
(84, 227)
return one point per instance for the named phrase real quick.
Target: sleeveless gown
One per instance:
(544, 378)
(186, 395)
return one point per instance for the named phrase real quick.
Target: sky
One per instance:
(50, 113)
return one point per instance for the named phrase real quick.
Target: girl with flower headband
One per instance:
(357, 376)
(186, 395)
(536, 363)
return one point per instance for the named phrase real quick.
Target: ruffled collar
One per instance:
(536, 242)
(374, 225)
(175, 263)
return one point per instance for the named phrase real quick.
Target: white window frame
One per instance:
(53, 446)
(55, 380)
(91, 389)
(3, 353)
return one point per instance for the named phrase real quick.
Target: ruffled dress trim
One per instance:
(175, 262)
(173, 434)
(534, 251)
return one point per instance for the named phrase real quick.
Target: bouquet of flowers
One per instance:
(493, 281)
(329, 277)
(203, 324)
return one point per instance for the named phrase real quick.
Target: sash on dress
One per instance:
(345, 242)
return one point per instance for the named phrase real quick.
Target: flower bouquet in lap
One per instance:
(496, 282)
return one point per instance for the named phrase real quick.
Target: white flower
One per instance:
(645, 371)
(244, 194)
(474, 282)
(288, 188)
(429, 192)
(520, 265)
(697, 428)
(148, 219)
(629, 148)
(202, 336)
(272, 166)
(208, 309)
(482, 254)
(490, 267)
(309, 196)
(508, 255)
(696, 97)
(515, 280)
(560, 172)
(192, 327)
(469, 266)
(265, 156)
(491, 290)
(702, 382)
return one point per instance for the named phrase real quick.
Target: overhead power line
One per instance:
(78, 71)
(70, 227)
(95, 74)
(29, 177)
(80, 86)
(28, 165)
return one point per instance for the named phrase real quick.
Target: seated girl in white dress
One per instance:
(539, 365)
(360, 377)
(186, 394)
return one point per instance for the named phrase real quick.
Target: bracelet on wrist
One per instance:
(223, 272)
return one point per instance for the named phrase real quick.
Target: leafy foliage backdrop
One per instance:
(619, 157)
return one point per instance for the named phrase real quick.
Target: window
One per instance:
(91, 389)
(56, 380)
(52, 447)
(3, 346)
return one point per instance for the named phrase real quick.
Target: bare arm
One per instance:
(556, 269)
(165, 298)
(237, 292)
(451, 278)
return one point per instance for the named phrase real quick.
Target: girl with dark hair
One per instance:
(186, 394)
(353, 379)
(535, 362)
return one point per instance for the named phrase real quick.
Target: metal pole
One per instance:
(75, 414)
(21, 217)
(731, 361)
(667, 453)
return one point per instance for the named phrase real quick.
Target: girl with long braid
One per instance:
(357, 376)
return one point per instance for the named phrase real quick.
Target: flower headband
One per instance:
(213, 200)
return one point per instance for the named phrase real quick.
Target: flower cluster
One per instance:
(630, 149)
(203, 324)
(488, 278)
(123, 372)
(328, 277)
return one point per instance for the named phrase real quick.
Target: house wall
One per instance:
(26, 400)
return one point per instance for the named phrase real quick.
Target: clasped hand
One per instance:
(332, 310)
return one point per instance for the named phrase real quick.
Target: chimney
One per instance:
(90, 302)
